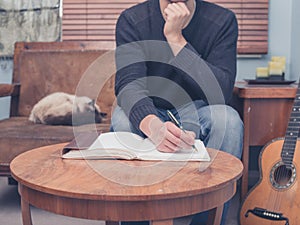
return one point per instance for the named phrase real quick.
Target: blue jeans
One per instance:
(218, 126)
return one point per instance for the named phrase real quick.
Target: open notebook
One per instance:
(129, 146)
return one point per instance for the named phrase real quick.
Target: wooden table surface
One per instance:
(119, 190)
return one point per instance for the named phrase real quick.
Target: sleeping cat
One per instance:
(60, 108)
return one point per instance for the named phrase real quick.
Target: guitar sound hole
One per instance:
(281, 176)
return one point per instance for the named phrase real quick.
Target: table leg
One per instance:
(215, 216)
(26, 214)
(162, 222)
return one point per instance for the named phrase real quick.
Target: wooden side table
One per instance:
(265, 110)
(75, 188)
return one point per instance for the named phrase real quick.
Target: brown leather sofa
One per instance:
(41, 68)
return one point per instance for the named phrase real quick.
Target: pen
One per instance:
(176, 122)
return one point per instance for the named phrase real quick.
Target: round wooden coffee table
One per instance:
(75, 188)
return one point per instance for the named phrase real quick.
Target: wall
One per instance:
(295, 50)
(6, 67)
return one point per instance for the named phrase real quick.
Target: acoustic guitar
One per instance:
(275, 199)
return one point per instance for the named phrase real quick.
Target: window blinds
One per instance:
(94, 20)
(252, 18)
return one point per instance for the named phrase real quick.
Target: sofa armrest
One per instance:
(9, 89)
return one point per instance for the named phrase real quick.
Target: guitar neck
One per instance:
(292, 131)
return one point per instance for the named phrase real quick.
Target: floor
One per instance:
(10, 211)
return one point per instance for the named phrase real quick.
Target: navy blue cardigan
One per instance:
(150, 77)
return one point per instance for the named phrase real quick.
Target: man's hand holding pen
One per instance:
(178, 124)
(166, 135)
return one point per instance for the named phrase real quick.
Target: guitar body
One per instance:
(275, 200)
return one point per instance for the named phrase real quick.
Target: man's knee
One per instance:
(234, 133)
(234, 119)
(119, 121)
(223, 115)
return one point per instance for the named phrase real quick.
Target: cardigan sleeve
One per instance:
(215, 74)
(131, 75)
